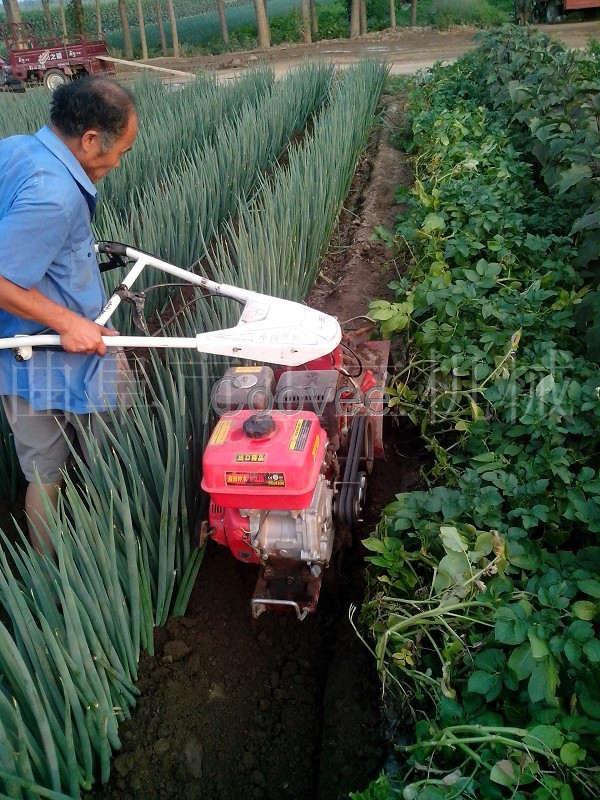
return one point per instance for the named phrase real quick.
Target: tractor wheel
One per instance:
(54, 78)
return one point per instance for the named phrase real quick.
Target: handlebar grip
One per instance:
(112, 248)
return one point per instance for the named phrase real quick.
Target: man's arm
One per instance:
(77, 334)
(35, 229)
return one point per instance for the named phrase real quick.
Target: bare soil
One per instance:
(406, 50)
(274, 709)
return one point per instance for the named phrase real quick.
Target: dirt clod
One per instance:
(176, 650)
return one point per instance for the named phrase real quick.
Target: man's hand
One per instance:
(84, 336)
(77, 334)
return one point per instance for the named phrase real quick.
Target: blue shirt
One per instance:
(46, 242)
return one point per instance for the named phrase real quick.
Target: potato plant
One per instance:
(486, 606)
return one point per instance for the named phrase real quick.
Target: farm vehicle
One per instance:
(549, 11)
(295, 436)
(33, 60)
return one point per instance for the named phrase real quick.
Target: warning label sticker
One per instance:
(300, 435)
(270, 479)
(221, 432)
(315, 447)
(250, 458)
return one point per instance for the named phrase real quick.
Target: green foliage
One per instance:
(488, 614)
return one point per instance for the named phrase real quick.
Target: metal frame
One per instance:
(269, 329)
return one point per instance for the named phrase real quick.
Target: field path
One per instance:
(407, 50)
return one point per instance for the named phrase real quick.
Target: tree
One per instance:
(63, 19)
(223, 21)
(262, 24)
(363, 17)
(173, 23)
(306, 22)
(78, 16)
(48, 17)
(13, 12)
(314, 19)
(393, 14)
(161, 27)
(142, 26)
(99, 18)
(413, 12)
(355, 19)
(127, 44)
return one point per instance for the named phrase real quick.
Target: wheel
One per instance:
(54, 78)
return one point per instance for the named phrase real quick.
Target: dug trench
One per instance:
(274, 709)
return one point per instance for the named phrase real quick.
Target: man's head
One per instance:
(96, 119)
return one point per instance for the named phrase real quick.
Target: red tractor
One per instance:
(32, 60)
(549, 11)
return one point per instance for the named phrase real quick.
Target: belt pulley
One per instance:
(353, 484)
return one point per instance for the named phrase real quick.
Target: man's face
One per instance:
(98, 162)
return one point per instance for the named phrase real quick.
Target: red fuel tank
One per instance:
(264, 460)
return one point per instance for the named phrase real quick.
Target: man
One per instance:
(49, 276)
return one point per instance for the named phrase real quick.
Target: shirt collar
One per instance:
(59, 149)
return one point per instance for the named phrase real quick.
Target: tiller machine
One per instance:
(287, 463)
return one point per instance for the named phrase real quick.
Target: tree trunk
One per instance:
(161, 27)
(173, 22)
(48, 17)
(393, 14)
(262, 24)
(363, 17)
(355, 19)
(63, 19)
(223, 21)
(314, 19)
(413, 13)
(78, 16)
(127, 44)
(99, 19)
(13, 12)
(140, 14)
(306, 22)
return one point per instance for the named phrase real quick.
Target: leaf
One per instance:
(377, 545)
(584, 609)
(504, 772)
(485, 683)
(571, 754)
(592, 650)
(545, 386)
(589, 220)
(581, 631)
(572, 176)
(590, 586)
(539, 648)
(543, 681)
(433, 222)
(548, 735)
(511, 625)
(521, 661)
(452, 540)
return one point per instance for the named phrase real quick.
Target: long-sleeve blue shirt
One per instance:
(46, 242)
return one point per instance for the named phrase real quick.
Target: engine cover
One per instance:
(264, 461)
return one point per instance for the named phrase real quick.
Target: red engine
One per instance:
(286, 468)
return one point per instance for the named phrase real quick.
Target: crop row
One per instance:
(75, 624)
(486, 621)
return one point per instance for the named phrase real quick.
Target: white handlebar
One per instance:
(269, 329)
